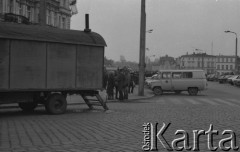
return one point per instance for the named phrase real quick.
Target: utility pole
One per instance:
(42, 12)
(142, 49)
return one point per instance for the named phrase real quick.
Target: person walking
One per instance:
(110, 86)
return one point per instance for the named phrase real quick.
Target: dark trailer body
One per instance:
(41, 64)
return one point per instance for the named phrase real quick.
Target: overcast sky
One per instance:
(179, 26)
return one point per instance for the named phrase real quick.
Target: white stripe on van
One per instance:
(208, 101)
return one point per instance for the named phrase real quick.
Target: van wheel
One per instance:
(193, 91)
(27, 106)
(177, 91)
(56, 104)
(157, 91)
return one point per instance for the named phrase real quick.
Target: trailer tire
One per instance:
(56, 104)
(28, 106)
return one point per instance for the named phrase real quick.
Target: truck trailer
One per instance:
(42, 65)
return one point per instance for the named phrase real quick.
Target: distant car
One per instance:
(230, 79)
(212, 77)
(223, 79)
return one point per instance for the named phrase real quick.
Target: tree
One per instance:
(122, 58)
(108, 62)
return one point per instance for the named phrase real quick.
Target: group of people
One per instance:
(119, 83)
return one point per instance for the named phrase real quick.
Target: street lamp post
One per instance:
(236, 66)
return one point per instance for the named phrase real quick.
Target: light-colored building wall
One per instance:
(225, 64)
(198, 61)
(58, 13)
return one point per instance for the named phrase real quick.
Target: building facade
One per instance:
(198, 61)
(225, 64)
(167, 62)
(58, 12)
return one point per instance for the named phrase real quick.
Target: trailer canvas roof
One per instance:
(49, 34)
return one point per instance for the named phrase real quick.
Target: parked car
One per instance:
(223, 78)
(212, 77)
(180, 80)
(230, 79)
(236, 81)
(150, 79)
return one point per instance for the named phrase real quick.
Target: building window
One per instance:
(222, 67)
(20, 9)
(52, 18)
(55, 19)
(63, 22)
(231, 67)
(11, 8)
(226, 67)
(28, 12)
(230, 59)
(218, 67)
(48, 17)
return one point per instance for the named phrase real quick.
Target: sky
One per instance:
(179, 26)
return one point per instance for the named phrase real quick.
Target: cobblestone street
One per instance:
(119, 129)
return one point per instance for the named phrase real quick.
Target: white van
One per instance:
(180, 80)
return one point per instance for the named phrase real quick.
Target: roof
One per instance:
(187, 70)
(49, 34)
(198, 55)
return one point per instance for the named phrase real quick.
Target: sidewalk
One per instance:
(134, 96)
(73, 99)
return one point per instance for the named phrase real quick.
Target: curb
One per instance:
(129, 99)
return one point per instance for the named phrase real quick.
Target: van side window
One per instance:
(159, 75)
(176, 75)
(187, 75)
(166, 75)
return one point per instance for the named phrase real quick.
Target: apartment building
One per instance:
(58, 12)
(225, 64)
(198, 61)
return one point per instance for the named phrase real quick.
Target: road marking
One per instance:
(225, 102)
(192, 101)
(160, 101)
(234, 100)
(175, 101)
(208, 101)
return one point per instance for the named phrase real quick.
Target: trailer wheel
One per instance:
(28, 106)
(56, 104)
